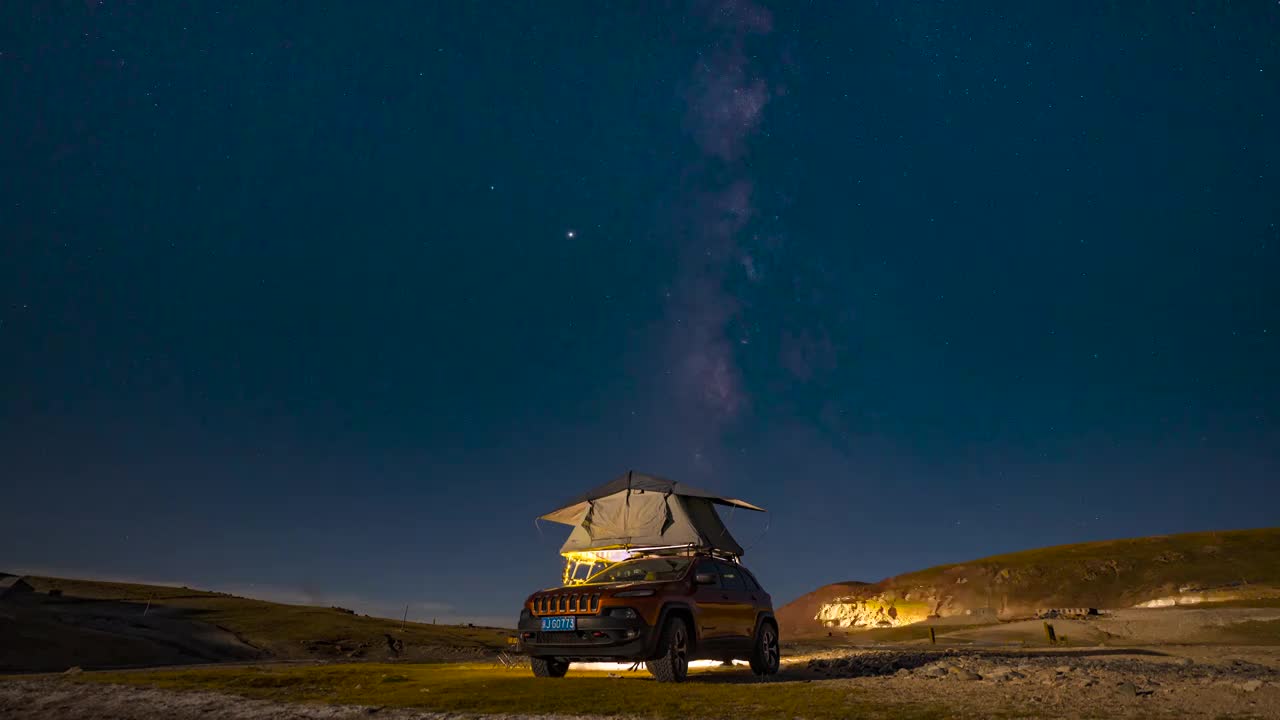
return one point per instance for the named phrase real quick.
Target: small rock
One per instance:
(1063, 669)
(903, 672)
(73, 670)
(1186, 662)
(1250, 686)
(962, 674)
(1003, 674)
(1127, 689)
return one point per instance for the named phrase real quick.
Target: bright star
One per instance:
(570, 234)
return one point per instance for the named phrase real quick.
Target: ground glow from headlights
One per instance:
(623, 667)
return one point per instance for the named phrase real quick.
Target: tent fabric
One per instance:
(617, 516)
(650, 513)
(702, 513)
(570, 512)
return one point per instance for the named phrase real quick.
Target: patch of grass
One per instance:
(1253, 632)
(905, 633)
(463, 688)
(1114, 570)
(844, 637)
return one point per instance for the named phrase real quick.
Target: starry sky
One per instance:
(325, 302)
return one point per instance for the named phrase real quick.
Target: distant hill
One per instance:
(1165, 569)
(92, 624)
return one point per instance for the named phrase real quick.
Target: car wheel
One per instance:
(673, 664)
(766, 656)
(548, 667)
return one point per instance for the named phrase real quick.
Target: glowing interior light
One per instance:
(582, 564)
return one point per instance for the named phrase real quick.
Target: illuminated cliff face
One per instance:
(1144, 572)
(1193, 595)
(876, 611)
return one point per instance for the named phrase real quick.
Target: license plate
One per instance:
(560, 622)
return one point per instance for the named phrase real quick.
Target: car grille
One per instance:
(566, 603)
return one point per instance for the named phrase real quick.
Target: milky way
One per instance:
(725, 101)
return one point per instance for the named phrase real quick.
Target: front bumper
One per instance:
(598, 637)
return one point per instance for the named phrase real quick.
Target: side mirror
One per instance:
(705, 579)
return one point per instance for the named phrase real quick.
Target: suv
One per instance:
(663, 611)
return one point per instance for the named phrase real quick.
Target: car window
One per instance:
(752, 585)
(730, 578)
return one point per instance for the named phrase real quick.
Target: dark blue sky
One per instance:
(331, 302)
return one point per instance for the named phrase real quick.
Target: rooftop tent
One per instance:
(641, 511)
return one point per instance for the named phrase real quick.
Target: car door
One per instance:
(713, 603)
(740, 609)
(763, 601)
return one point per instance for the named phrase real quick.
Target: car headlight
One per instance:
(624, 613)
(635, 593)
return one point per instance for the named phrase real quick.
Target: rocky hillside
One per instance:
(56, 623)
(1150, 571)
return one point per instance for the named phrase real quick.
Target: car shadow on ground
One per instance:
(746, 677)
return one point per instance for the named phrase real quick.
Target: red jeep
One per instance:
(661, 610)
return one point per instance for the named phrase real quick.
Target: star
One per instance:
(571, 234)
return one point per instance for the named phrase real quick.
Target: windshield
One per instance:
(662, 569)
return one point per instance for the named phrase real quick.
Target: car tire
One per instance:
(673, 664)
(548, 667)
(766, 656)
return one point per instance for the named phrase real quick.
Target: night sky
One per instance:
(326, 302)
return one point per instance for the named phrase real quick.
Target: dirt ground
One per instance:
(1183, 682)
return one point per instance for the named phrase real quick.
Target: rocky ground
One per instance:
(1103, 682)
